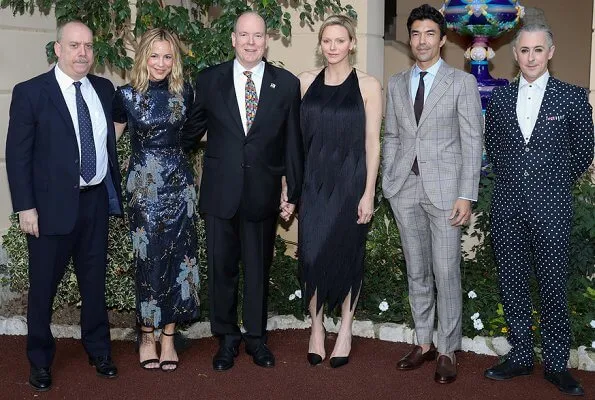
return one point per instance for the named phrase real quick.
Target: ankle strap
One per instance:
(168, 334)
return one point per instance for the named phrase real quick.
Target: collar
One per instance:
(64, 81)
(540, 82)
(238, 69)
(433, 70)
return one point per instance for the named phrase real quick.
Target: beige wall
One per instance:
(570, 21)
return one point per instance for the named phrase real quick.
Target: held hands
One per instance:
(365, 209)
(28, 222)
(461, 212)
(287, 209)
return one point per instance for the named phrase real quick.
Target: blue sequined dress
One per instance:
(161, 204)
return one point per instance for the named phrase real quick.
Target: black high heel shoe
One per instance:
(313, 358)
(139, 338)
(337, 362)
(169, 362)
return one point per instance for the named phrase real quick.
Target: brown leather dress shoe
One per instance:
(416, 357)
(446, 369)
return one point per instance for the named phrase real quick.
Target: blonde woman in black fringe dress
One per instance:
(341, 114)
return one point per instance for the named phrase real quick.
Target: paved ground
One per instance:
(371, 374)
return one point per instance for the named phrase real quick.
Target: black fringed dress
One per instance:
(331, 244)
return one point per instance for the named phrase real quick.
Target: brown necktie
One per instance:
(418, 107)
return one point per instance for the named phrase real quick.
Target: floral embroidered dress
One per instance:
(161, 204)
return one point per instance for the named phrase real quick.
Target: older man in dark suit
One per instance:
(251, 112)
(539, 138)
(64, 179)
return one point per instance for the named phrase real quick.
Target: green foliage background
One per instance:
(205, 31)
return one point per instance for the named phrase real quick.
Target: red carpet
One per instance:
(371, 374)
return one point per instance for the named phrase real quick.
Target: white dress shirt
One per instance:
(428, 79)
(97, 120)
(239, 82)
(528, 103)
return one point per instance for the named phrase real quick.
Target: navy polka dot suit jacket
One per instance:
(542, 171)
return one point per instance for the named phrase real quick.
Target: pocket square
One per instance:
(555, 117)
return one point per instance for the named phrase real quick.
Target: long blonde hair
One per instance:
(139, 78)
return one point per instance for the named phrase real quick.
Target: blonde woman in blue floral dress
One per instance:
(161, 196)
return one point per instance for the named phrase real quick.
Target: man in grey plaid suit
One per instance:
(431, 165)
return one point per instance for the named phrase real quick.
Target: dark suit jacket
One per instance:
(42, 155)
(245, 170)
(559, 151)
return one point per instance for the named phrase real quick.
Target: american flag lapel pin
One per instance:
(273, 86)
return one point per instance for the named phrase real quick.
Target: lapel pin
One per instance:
(273, 85)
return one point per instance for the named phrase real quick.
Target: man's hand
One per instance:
(365, 209)
(28, 222)
(461, 212)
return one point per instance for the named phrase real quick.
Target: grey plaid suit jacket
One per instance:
(447, 141)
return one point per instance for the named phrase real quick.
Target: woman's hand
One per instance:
(365, 209)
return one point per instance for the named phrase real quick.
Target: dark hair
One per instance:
(426, 11)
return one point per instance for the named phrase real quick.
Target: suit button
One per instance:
(76, 161)
(76, 186)
(526, 173)
(526, 149)
(243, 165)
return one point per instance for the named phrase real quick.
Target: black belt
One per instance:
(90, 187)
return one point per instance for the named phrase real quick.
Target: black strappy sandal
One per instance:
(139, 338)
(168, 362)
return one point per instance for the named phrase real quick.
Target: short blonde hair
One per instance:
(139, 78)
(341, 20)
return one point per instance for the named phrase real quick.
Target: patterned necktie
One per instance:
(418, 107)
(88, 157)
(251, 100)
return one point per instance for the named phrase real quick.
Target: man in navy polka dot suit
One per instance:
(539, 139)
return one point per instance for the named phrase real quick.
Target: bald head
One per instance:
(253, 17)
(69, 25)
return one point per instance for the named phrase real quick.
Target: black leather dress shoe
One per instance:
(565, 383)
(506, 370)
(40, 379)
(104, 366)
(223, 359)
(261, 355)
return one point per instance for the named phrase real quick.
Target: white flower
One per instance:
(383, 306)
(477, 324)
(593, 323)
(472, 295)
(291, 296)
(475, 316)
(298, 294)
